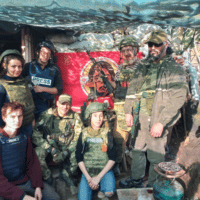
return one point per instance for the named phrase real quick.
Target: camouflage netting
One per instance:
(179, 38)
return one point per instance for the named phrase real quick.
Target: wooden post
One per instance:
(26, 44)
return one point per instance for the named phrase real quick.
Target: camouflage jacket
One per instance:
(124, 69)
(63, 133)
(123, 77)
(170, 90)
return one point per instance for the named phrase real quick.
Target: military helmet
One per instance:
(94, 107)
(48, 45)
(10, 52)
(129, 41)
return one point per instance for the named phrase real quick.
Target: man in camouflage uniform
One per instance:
(56, 133)
(154, 98)
(128, 49)
(192, 100)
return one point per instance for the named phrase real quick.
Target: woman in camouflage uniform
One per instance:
(95, 154)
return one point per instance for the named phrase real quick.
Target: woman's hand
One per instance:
(94, 183)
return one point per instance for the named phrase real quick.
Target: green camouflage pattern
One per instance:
(65, 98)
(94, 107)
(18, 91)
(147, 90)
(94, 158)
(10, 52)
(119, 110)
(126, 74)
(170, 86)
(129, 41)
(157, 37)
(64, 134)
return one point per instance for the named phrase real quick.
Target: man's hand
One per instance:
(157, 130)
(57, 155)
(38, 193)
(38, 89)
(27, 197)
(129, 119)
(33, 124)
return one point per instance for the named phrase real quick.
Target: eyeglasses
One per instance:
(150, 44)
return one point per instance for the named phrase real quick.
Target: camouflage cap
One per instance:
(157, 37)
(65, 98)
(10, 52)
(129, 41)
(94, 107)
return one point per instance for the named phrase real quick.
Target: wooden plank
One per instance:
(26, 44)
(135, 194)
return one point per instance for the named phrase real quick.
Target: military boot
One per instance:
(131, 183)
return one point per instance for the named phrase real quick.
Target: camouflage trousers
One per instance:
(69, 165)
(120, 131)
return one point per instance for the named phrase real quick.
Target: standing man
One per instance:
(155, 95)
(45, 77)
(128, 52)
(56, 133)
(20, 173)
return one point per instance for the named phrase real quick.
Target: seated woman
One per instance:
(13, 87)
(95, 154)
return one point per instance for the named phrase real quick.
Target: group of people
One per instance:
(36, 138)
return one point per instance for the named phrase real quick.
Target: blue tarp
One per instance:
(98, 15)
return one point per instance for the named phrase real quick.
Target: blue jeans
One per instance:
(48, 193)
(107, 184)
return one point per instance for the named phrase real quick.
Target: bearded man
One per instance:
(154, 98)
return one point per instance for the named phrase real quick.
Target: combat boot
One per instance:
(131, 183)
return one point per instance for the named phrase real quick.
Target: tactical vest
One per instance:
(125, 76)
(18, 91)
(43, 77)
(61, 129)
(148, 89)
(94, 158)
(13, 155)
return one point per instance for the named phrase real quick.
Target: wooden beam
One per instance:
(26, 44)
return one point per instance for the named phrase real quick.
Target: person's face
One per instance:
(97, 120)
(63, 108)
(128, 52)
(157, 50)
(14, 68)
(179, 59)
(13, 119)
(44, 55)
